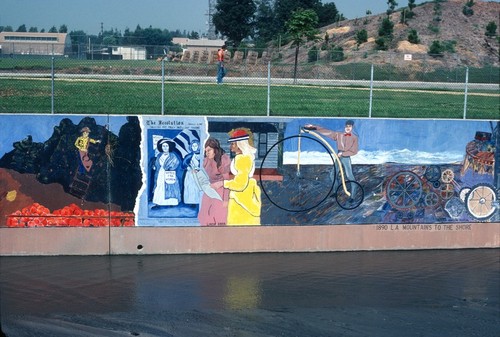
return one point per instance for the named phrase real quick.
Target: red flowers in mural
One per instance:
(37, 215)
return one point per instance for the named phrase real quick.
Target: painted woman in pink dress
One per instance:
(213, 212)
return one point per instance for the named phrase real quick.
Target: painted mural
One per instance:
(90, 171)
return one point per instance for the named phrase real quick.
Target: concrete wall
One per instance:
(197, 240)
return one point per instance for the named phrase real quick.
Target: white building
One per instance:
(200, 45)
(35, 43)
(130, 53)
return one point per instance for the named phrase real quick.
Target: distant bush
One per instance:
(337, 54)
(413, 37)
(449, 46)
(433, 28)
(467, 9)
(313, 54)
(361, 36)
(491, 29)
(381, 44)
(436, 49)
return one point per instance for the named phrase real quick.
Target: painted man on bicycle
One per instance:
(347, 146)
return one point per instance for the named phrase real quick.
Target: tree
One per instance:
(234, 19)
(411, 5)
(301, 28)
(392, 5)
(33, 30)
(467, 9)
(386, 28)
(385, 33)
(193, 35)
(63, 29)
(381, 43)
(284, 9)
(78, 37)
(22, 28)
(6, 29)
(413, 37)
(327, 14)
(491, 29)
(326, 39)
(128, 37)
(265, 23)
(313, 54)
(407, 13)
(337, 54)
(436, 49)
(361, 36)
(53, 29)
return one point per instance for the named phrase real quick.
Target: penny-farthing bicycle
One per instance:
(306, 185)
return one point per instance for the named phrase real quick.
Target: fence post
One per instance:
(52, 84)
(268, 88)
(465, 93)
(371, 93)
(162, 86)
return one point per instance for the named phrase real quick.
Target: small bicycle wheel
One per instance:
(355, 198)
(431, 199)
(463, 193)
(433, 173)
(307, 169)
(447, 176)
(480, 201)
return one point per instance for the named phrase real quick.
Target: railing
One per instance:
(264, 87)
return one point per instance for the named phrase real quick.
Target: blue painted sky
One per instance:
(41, 127)
(431, 140)
(399, 141)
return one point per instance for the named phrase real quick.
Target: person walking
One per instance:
(221, 71)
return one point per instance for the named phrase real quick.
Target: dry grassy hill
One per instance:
(444, 22)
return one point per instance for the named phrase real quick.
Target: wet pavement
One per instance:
(398, 293)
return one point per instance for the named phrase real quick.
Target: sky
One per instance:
(87, 15)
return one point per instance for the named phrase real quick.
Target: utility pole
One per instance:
(211, 35)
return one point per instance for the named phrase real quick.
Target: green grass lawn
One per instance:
(132, 97)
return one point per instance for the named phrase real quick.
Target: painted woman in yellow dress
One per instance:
(244, 192)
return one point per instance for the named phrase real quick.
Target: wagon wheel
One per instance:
(431, 199)
(447, 176)
(403, 190)
(432, 173)
(463, 193)
(447, 191)
(480, 201)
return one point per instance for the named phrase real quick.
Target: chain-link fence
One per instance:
(258, 83)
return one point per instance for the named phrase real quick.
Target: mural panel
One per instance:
(196, 171)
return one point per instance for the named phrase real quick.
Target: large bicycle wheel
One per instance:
(307, 175)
